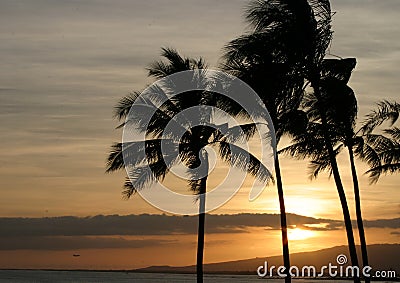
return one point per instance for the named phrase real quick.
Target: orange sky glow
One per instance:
(64, 67)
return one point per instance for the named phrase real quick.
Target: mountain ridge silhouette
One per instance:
(383, 257)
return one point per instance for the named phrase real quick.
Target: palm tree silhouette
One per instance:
(317, 81)
(281, 96)
(380, 152)
(265, 60)
(340, 102)
(290, 37)
(189, 148)
(387, 144)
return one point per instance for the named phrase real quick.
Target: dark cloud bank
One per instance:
(147, 224)
(113, 231)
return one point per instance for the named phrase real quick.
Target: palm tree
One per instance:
(189, 148)
(375, 149)
(341, 105)
(281, 96)
(364, 146)
(292, 37)
(265, 61)
(387, 144)
(317, 83)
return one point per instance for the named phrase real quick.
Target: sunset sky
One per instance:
(65, 64)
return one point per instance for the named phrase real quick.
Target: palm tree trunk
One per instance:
(338, 181)
(345, 209)
(357, 200)
(200, 233)
(285, 242)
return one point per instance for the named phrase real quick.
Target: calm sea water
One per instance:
(39, 276)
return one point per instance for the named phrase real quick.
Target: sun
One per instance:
(299, 234)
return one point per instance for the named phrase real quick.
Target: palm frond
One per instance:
(121, 110)
(383, 153)
(310, 143)
(173, 56)
(386, 111)
(243, 160)
(323, 163)
(141, 177)
(391, 155)
(176, 63)
(366, 152)
(394, 132)
(240, 133)
(153, 122)
(145, 175)
(379, 142)
(115, 159)
(195, 185)
(200, 64)
(249, 48)
(317, 166)
(304, 149)
(376, 172)
(159, 69)
(261, 14)
(128, 189)
(135, 153)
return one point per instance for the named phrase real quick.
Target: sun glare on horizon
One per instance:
(310, 202)
(299, 234)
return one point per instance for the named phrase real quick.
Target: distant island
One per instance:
(383, 257)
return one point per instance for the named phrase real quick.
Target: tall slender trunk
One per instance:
(285, 242)
(357, 200)
(345, 209)
(200, 232)
(338, 181)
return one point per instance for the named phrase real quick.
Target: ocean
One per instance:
(41, 276)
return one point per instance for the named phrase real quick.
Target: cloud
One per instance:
(383, 223)
(156, 224)
(146, 230)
